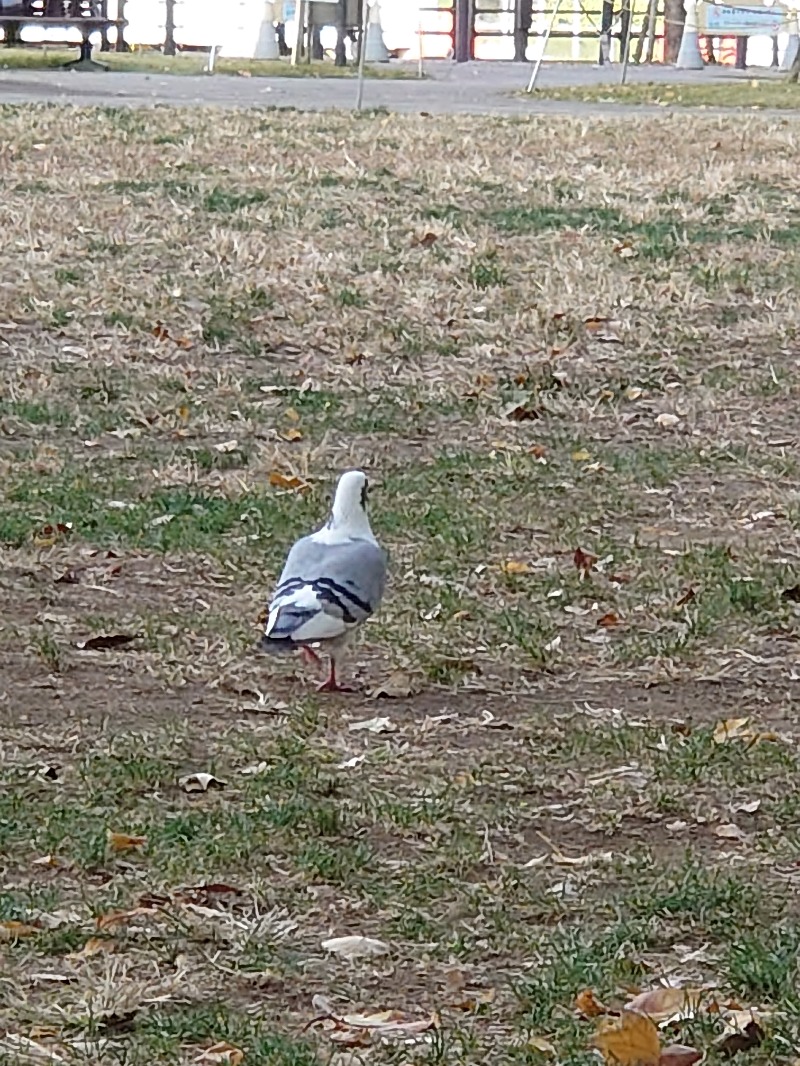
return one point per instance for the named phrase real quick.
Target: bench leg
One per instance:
(84, 60)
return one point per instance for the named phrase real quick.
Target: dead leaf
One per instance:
(48, 535)
(512, 566)
(391, 1023)
(470, 999)
(288, 482)
(226, 446)
(426, 240)
(630, 1040)
(112, 919)
(223, 1054)
(686, 597)
(122, 842)
(292, 434)
(354, 947)
(730, 832)
(397, 686)
(739, 729)
(521, 410)
(583, 560)
(101, 643)
(13, 930)
(93, 946)
(373, 725)
(666, 1004)
(731, 729)
(581, 456)
(679, 1055)
(160, 331)
(666, 419)
(750, 1036)
(608, 620)
(587, 1004)
(625, 250)
(540, 1044)
(69, 577)
(200, 782)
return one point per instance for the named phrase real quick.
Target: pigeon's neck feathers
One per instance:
(348, 519)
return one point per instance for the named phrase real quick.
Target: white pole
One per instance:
(420, 71)
(362, 56)
(689, 55)
(538, 63)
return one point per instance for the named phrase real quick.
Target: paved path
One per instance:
(449, 88)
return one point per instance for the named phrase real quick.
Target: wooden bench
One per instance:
(88, 16)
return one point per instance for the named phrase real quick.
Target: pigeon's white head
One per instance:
(349, 513)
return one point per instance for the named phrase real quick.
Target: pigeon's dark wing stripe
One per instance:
(289, 619)
(329, 590)
(341, 591)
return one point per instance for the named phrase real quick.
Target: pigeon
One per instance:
(332, 581)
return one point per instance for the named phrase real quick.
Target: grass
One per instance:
(569, 370)
(746, 91)
(146, 61)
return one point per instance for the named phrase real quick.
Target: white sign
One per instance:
(722, 20)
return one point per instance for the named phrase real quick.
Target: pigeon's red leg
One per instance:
(310, 655)
(331, 685)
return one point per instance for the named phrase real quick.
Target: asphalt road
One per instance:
(449, 88)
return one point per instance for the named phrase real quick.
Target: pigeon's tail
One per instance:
(276, 646)
(304, 613)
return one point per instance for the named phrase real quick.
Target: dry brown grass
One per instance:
(538, 337)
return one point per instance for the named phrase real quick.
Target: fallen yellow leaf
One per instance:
(581, 456)
(11, 930)
(93, 946)
(630, 1040)
(739, 729)
(283, 481)
(292, 434)
(222, 1053)
(124, 842)
(113, 918)
(512, 566)
(588, 1005)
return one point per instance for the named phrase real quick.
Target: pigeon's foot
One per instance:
(310, 655)
(332, 685)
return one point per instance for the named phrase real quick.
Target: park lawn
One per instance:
(753, 92)
(148, 61)
(566, 353)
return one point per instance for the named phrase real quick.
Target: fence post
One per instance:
(462, 31)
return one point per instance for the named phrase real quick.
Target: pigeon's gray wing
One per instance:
(326, 590)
